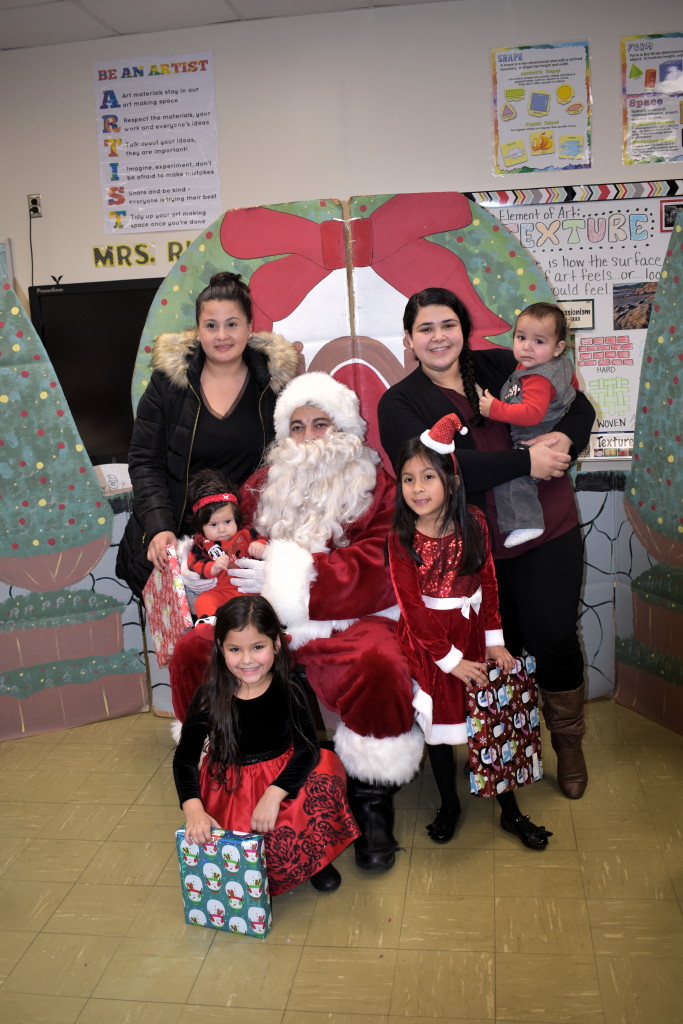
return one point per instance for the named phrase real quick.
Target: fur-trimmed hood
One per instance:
(173, 354)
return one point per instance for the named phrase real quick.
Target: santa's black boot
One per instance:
(373, 808)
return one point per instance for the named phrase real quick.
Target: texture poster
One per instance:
(157, 145)
(541, 108)
(601, 248)
(652, 97)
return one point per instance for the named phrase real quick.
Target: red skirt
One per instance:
(312, 828)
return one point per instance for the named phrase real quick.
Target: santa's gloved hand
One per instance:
(197, 584)
(248, 575)
(194, 583)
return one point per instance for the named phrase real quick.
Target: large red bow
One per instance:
(390, 240)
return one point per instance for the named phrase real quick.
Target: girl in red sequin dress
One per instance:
(443, 575)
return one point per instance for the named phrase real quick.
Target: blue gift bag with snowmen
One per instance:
(224, 882)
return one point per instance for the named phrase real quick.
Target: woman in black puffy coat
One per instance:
(209, 405)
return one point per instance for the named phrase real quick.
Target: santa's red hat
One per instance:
(440, 437)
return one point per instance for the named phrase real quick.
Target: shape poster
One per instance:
(652, 97)
(156, 140)
(601, 248)
(541, 108)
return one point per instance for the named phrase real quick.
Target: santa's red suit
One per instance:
(336, 602)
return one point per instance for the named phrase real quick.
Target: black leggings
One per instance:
(442, 761)
(539, 594)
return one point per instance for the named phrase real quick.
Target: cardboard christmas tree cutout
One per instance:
(61, 662)
(649, 670)
(56, 523)
(655, 485)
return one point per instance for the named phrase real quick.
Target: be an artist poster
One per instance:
(157, 145)
(541, 108)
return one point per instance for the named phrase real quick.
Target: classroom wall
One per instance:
(375, 101)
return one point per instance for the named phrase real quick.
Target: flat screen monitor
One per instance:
(91, 332)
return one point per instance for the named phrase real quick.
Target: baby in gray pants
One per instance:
(533, 399)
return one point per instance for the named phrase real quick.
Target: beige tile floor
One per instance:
(480, 930)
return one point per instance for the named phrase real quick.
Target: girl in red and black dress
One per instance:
(264, 771)
(445, 582)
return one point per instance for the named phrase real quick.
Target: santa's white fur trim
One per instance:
(289, 573)
(391, 761)
(176, 729)
(393, 613)
(324, 392)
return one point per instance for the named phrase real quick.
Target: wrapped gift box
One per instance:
(503, 731)
(168, 611)
(224, 882)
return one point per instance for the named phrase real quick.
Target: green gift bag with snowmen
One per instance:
(224, 882)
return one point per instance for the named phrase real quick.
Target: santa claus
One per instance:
(326, 506)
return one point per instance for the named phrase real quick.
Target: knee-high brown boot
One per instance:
(563, 714)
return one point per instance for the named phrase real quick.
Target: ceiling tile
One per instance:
(134, 16)
(46, 24)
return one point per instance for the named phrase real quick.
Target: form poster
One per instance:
(541, 108)
(157, 143)
(652, 97)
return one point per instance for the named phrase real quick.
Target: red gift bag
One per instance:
(503, 730)
(168, 611)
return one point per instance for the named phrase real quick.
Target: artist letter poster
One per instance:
(541, 108)
(157, 145)
(652, 97)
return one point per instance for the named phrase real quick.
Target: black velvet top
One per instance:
(267, 727)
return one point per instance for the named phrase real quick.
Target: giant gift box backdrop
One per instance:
(333, 276)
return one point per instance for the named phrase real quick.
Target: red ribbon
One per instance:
(390, 240)
(213, 499)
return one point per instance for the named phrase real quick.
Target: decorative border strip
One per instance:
(671, 187)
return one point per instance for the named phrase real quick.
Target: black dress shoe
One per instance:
(534, 836)
(442, 829)
(327, 879)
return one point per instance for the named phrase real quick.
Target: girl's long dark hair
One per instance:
(457, 516)
(445, 297)
(220, 685)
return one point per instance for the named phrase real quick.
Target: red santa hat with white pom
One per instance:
(441, 436)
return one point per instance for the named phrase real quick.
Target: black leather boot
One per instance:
(373, 808)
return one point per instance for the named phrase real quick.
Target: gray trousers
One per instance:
(517, 505)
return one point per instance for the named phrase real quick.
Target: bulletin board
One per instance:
(601, 248)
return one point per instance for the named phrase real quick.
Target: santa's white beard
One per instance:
(314, 488)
